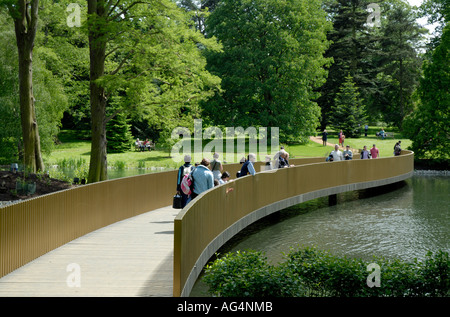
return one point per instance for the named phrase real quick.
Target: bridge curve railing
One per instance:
(33, 227)
(215, 216)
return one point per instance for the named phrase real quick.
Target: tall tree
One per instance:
(148, 53)
(48, 91)
(399, 63)
(25, 16)
(352, 44)
(271, 62)
(348, 111)
(428, 126)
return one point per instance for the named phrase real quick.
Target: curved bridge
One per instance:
(33, 228)
(217, 215)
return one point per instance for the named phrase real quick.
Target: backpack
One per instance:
(187, 183)
(186, 170)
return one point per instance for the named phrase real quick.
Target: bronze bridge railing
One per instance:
(36, 226)
(215, 216)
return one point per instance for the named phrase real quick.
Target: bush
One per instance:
(247, 274)
(311, 272)
(329, 275)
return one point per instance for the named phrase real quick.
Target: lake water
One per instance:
(404, 220)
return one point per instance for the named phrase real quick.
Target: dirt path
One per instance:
(318, 140)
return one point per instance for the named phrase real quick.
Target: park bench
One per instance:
(386, 135)
(141, 147)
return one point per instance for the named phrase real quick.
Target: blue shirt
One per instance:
(247, 168)
(203, 179)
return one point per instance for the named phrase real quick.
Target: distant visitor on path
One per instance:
(341, 138)
(366, 128)
(324, 137)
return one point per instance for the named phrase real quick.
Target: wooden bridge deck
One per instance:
(133, 257)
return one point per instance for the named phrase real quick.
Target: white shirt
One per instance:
(337, 156)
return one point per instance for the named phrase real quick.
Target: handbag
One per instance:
(176, 202)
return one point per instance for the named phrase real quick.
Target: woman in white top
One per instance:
(216, 166)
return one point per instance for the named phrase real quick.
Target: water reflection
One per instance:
(403, 220)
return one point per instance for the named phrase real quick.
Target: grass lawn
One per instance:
(74, 150)
(386, 146)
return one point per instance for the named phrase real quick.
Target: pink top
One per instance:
(374, 152)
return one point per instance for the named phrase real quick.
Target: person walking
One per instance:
(374, 152)
(398, 148)
(348, 154)
(365, 154)
(337, 154)
(186, 168)
(216, 166)
(324, 137)
(203, 178)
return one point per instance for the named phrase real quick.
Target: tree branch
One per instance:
(124, 60)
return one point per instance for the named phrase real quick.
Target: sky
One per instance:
(422, 21)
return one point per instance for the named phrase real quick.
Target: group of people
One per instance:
(347, 154)
(143, 145)
(207, 174)
(341, 137)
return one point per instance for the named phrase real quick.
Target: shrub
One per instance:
(312, 272)
(247, 274)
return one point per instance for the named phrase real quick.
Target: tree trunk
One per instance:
(25, 24)
(97, 51)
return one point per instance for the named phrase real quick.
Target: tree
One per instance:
(10, 133)
(352, 45)
(147, 52)
(428, 126)
(348, 111)
(49, 97)
(399, 64)
(271, 62)
(119, 134)
(25, 16)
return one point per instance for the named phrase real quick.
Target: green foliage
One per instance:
(398, 64)
(50, 99)
(10, 132)
(311, 272)
(383, 61)
(428, 126)
(352, 48)
(247, 274)
(272, 61)
(118, 133)
(348, 113)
